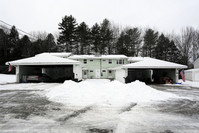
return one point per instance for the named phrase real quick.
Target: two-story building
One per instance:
(65, 66)
(99, 66)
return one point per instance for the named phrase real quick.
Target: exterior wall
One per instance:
(99, 68)
(77, 69)
(189, 75)
(196, 63)
(192, 75)
(120, 75)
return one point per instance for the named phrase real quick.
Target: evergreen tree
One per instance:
(174, 53)
(50, 43)
(133, 41)
(67, 35)
(161, 49)
(83, 37)
(106, 36)
(3, 47)
(13, 40)
(26, 47)
(150, 40)
(121, 47)
(96, 38)
(167, 50)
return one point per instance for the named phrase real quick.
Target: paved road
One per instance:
(23, 111)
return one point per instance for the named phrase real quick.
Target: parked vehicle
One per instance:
(38, 78)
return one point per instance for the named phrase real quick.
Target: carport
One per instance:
(57, 68)
(151, 70)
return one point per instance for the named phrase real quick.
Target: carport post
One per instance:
(177, 75)
(17, 74)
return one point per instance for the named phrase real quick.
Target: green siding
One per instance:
(101, 65)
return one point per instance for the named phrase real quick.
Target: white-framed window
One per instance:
(91, 71)
(120, 61)
(85, 61)
(91, 60)
(103, 71)
(110, 61)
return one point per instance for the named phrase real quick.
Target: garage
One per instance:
(148, 76)
(151, 70)
(45, 68)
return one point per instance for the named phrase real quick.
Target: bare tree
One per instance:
(185, 43)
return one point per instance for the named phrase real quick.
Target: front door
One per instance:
(97, 74)
(85, 73)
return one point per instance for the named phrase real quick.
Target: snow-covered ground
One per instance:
(93, 106)
(189, 83)
(5, 78)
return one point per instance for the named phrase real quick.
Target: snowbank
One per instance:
(5, 78)
(189, 83)
(105, 93)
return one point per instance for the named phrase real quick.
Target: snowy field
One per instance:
(97, 106)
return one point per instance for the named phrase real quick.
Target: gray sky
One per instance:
(44, 15)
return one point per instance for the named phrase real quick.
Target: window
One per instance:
(85, 61)
(110, 61)
(109, 71)
(120, 61)
(104, 60)
(91, 71)
(104, 71)
(91, 60)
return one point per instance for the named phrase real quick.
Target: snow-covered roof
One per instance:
(154, 64)
(43, 59)
(135, 59)
(192, 70)
(98, 57)
(58, 54)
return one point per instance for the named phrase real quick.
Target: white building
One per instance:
(193, 74)
(64, 66)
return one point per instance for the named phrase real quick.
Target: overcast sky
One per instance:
(44, 15)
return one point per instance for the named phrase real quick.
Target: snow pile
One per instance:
(5, 78)
(189, 83)
(105, 93)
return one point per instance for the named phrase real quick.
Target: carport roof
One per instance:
(154, 64)
(43, 59)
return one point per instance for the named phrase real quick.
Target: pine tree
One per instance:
(106, 36)
(3, 47)
(96, 38)
(26, 46)
(83, 37)
(121, 46)
(67, 35)
(150, 40)
(13, 40)
(133, 41)
(50, 43)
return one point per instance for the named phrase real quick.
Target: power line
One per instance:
(33, 37)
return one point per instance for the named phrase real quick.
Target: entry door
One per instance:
(85, 74)
(97, 74)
